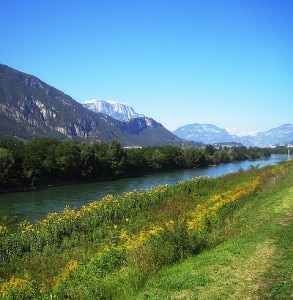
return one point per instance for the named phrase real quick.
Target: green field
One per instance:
(205, 238)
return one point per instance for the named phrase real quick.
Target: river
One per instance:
(36, 204)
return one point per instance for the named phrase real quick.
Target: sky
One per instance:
(223, 62)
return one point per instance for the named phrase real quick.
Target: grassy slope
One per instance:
(124, 247)
(252, 258)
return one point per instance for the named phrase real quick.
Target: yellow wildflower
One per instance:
(193, 224)
(123, 235)
(17, 286)
(25, 227)
(3, 229)
(69, 268)
(170, 225)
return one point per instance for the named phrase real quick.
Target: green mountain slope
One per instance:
(31, 108)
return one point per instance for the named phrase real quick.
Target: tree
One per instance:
(39, 162)
(6, 167)
(136, 161)
(68, 160)
(238, 153)
(91, 163)
(116, 158)
(194, 157)
(221, 156)
(158, 160)
(210, 149)
(174, 157)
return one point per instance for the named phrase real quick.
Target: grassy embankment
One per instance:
(250, 255)
(201, 239)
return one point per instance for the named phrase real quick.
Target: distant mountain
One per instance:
(30, 108)
(280, 135)
(115, 110)
(211, 134)
(205, 133)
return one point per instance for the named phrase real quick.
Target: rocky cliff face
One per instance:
(40, 108)
(116, 110)
(31, 108)
(137, 125)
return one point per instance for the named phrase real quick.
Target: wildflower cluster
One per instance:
(25, 227)
(18, 288)
(213, 205)
(135, 232)
(3, 229)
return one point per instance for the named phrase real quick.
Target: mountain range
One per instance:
(210, 134)
(200, 133)
(31, 108)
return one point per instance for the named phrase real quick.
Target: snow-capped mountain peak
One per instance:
(113, 109)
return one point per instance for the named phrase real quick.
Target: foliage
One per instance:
(116, 158)
(194, 157)
(109, 248)
(6, 167)
(249, 255)
(46, 161)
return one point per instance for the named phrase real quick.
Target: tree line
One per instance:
(46, 161)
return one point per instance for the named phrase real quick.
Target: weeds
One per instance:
(109, 248)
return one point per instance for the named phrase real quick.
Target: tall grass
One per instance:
(109, 248)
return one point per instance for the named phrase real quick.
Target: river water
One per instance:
(36, 204)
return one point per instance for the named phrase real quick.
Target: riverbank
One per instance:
(249, 256)
(33, 205)
(47, 162)
(122, 176)
(121, 246)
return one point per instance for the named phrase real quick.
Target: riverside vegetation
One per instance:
(47, 161)
(185, 241)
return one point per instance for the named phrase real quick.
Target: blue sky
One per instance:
(222, 62)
